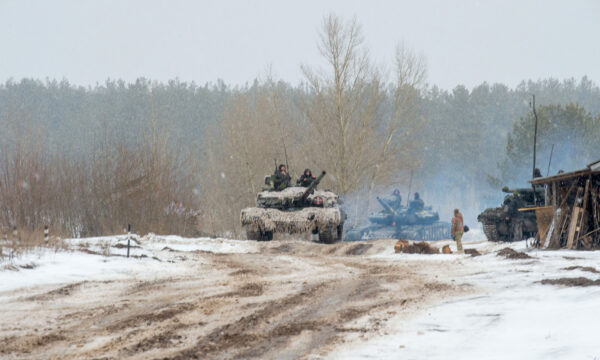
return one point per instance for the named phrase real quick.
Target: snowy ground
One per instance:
(217, 298)
(511, 316)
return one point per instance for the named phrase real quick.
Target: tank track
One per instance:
(491, 233)
(433, 232)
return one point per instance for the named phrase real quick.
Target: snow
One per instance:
(60, 267)
(149, 255)
(508, 315)
(515, 317)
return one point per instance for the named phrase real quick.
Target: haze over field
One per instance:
(438, 103)
(465, 42)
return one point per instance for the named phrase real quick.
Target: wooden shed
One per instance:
(571, 216)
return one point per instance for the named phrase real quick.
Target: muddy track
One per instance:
(288, 301)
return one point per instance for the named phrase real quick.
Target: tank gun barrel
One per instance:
(522, 191)
(313, 186)
(386, 206)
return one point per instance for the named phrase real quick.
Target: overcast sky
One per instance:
(464, 42)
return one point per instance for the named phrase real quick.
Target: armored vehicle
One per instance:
(413, 222)
(506, 222)
(295, 210)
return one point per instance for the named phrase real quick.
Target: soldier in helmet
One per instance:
(281, 179)
(395, 200)
(417, 204)
(306, 178)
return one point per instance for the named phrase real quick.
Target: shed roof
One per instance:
(592, 168)
(563, 176)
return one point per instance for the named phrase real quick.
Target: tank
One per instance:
(506, 222)
(295, 210)
(413, 222)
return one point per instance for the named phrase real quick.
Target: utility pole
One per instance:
(534, 136)
(534, 147)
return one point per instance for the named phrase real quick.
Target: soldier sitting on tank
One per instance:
(395, 200)
(281, 179)
(417, 204)
(306, 178)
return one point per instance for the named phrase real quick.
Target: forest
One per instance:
(183, 158)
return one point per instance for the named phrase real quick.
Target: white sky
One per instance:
(464, 42)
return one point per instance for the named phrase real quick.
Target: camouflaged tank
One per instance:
(417, 222)
(506, 222)
(295, 210)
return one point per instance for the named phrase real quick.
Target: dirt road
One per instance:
(289, 300)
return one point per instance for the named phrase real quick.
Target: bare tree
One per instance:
(253, 131)
(399, 143)
(344, 103)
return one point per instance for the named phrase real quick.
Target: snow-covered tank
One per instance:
(295, 210)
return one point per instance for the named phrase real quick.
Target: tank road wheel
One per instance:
(266, 236)
(328, 235)
(252, 235)
(259, 235)
(340, 232)
(491, 233)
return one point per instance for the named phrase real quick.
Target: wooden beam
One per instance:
(576, 219)
(563, 176)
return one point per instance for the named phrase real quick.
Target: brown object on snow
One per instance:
(472, 252)
(446, 249)
(415, 248)
(400, 245)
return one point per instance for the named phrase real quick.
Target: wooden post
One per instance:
(582, 223)
(128, 238)
(576, 216)
(534, 148)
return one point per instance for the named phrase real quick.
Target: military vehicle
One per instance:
(413, 222)
(506, 222)
(295, 210)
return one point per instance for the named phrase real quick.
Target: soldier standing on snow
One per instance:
(457, 230)
(281, 179)
(306, 179)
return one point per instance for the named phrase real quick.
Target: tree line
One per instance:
(178, 157)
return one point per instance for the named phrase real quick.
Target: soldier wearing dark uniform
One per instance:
(306, 178)
(395, 200)
(281, 179)
(417, 204)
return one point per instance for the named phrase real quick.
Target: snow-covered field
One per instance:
(511, 316)
(43, 267)
(492, 307)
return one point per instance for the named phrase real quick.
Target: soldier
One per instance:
(281, 179)
(395, 200)
(417, 204)
(457, 230)
(306, 179)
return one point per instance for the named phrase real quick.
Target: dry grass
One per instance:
(144, 184)
(16, 242)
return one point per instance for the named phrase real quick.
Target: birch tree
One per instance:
(343, 104)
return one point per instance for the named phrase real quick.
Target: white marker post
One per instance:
(46, 234)
(128, 238)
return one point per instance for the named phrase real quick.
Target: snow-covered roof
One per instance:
(563, 176)
(595, 166)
